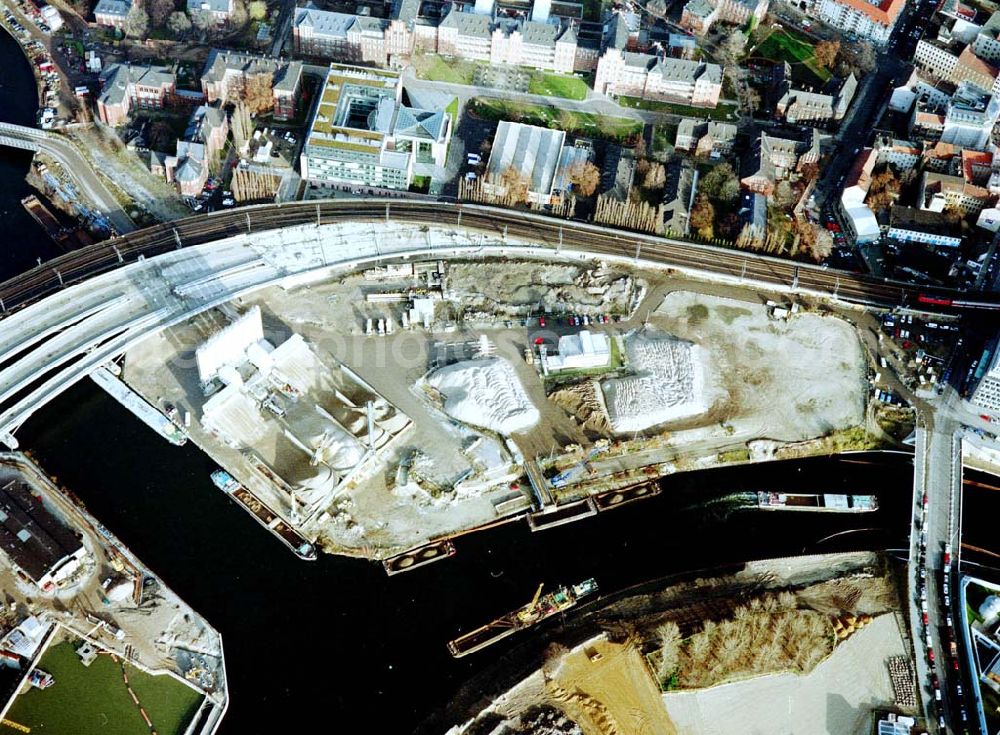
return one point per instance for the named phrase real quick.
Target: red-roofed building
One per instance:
(971, 68)
(872, 21)
(976, 167)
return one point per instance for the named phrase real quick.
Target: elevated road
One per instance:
(75, 165)
(63, 320)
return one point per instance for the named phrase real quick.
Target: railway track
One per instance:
(557, 235)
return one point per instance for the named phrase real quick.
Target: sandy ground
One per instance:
(834, 699)
(606, 688)
(784, 380)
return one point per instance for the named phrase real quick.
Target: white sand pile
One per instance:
(485, 393)
(668, 384)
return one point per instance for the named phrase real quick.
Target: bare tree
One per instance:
(702, 217)
(585, 177)
(160, 136)
(241, 125)
(178, 23)
(258, 92)
(159, 11)
(238, 18)
(203, 20)
(516, 185)
(257, 9)
(825, 53)
(136, 22)
(731, 49)
(670, 649)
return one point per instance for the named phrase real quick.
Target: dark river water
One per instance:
(21, 239)
(338, 636)
(336, 645)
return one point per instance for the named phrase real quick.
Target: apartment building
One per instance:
(112, 13)
(362, 135)
(477, 36)
(771, 158)
(631, 74)
(226, 73)
(220, 10)
(699, 15)
(902, 155)
(970, 117)
(869, 21)
(798, 106)
(127, 87)
(936, 58)
(986, 395)
(941, 191)
(711, 139)
(909, 224)
(987, 41)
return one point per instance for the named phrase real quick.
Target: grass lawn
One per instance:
(557, 85)
(438, 69)
(663, 138)
(421, 184)
(578, 123)
(94, 700)
(452, 109)
(724, 111)
(795, 49)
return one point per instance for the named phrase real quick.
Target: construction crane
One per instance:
(530, 611)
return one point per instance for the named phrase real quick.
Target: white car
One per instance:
(228, 202)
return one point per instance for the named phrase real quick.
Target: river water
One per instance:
(337, 646)
(22, 240)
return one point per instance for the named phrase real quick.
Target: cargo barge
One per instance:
(45, 219)
(825, 503)
(266, 517)
(540, 608)
(434, 551)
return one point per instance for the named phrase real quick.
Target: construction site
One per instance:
(67, 579)
(713, 656)
(409, 402)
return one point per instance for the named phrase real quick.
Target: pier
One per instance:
(139, 406)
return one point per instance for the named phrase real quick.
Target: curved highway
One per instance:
(82, 264)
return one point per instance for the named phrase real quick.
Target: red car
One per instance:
(925, 619)
(541, 321)
(954, 664)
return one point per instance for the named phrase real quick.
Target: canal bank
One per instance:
(24, 240)
(370, 647)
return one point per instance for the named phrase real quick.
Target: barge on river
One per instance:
(540, 608)
(826, 503)
(264, 515)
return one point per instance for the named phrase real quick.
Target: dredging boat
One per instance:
(264, 515)
(825, 503)
(540, 608)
